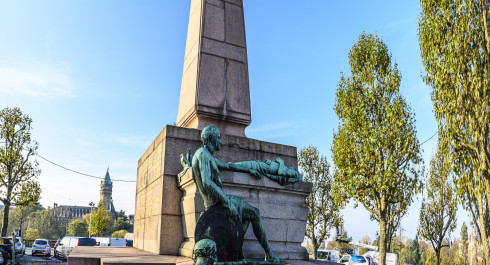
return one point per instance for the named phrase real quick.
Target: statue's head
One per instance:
(205, 252)
(210, 136)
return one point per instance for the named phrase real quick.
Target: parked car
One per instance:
(328, 255)
(20, 247)
(68, 243)
(353, 259)
(41, 246)
(6, 248)
(373, 258)
(6, 255)
(55, 252)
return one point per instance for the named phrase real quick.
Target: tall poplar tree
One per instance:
(323, 210)
(375, 150)
(455, 48)
(439, 206)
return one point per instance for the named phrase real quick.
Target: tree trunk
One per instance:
(438, 256)
(5, 224)
(315, 247)
(483, 232)
(382, 241)
(21, 222)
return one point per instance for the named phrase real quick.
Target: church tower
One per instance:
(106, 192)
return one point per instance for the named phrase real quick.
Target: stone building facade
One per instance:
(66, 213)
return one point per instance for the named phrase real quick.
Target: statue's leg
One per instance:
(245, 224)
(252, 214)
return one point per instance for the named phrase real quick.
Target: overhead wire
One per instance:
(429, 138)
(81, 173)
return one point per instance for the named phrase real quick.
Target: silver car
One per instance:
(41, 246)
(20, 247)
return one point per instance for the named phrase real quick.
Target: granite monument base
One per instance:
(165, 215)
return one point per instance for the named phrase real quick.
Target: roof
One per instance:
(74, 207)
(113, 210)
(107, 179)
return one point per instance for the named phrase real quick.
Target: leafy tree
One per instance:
(48, 224)
(375, 148)
(405, 254)
(18, 173)
(100, 220)
(431, 260)
(455, 47)
(415, 251)
(121, 224)
(122, 214)
(32, 233)
(438, 213)
(423, 246)
(21, 215)
(324, 211)
(365, 240)
(463, 257)
(119, 234)
(77, 227)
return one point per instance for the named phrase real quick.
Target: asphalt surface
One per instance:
(29, 258)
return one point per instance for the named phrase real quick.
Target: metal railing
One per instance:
(43, 262)
(29, 242)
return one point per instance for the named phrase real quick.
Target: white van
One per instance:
(328, 255)
(118, 242)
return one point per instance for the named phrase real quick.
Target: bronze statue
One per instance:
(205, 169)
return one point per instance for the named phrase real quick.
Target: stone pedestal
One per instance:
(282, 208)
(164, 214)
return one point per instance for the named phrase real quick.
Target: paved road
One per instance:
(28, 257)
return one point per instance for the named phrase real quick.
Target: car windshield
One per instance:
(358, 259)
(41, 242)
(321, 255)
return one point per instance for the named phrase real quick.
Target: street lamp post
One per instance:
(90, 224)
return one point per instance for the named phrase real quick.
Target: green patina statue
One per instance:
(273, 169)
(205, 169)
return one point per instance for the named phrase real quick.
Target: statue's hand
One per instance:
(254, 173)
(185, 163)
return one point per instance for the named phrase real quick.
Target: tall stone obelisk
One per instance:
(215, 89)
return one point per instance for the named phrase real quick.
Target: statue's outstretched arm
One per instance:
(221, 165)
(244, 166)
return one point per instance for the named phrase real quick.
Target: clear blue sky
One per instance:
(102, 78)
